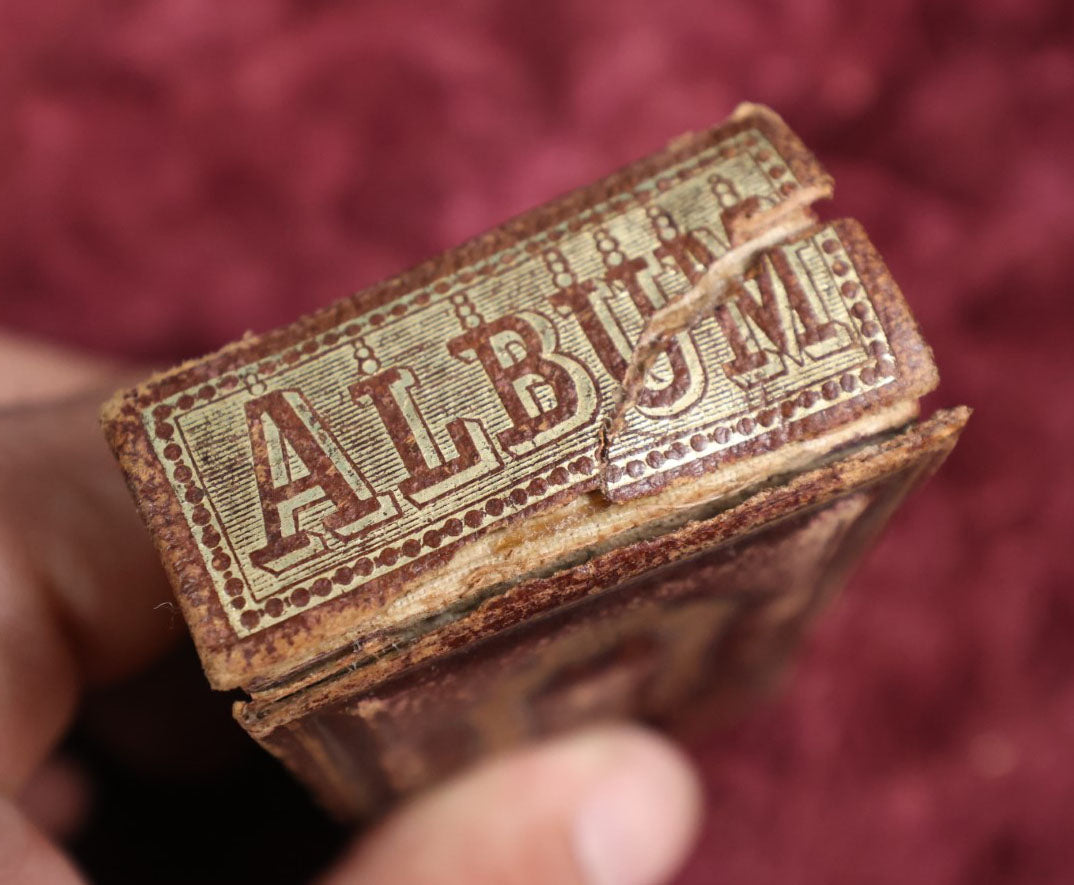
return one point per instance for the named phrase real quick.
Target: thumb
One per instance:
(612, 806)
(26, 856)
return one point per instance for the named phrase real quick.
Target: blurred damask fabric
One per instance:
(176, 172)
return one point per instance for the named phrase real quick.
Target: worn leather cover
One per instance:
(589, 401)
(680, 630)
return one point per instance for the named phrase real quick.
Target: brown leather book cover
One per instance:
(602, 461)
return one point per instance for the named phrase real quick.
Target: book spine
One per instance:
(675, 630)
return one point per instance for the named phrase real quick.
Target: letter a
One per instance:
(306, 482)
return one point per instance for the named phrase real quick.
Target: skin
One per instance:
(80, 590)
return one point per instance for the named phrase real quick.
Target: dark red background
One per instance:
(174, 173)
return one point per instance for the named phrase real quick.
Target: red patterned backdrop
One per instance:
(173, 173)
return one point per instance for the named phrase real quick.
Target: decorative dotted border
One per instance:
(808, 401)
(250, 615)
(367, 565)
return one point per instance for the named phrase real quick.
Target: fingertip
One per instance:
(615, 804)
(57, 797)
(638, 823)
(36, 371)
(27, 856)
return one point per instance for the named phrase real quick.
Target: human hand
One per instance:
(80, 591)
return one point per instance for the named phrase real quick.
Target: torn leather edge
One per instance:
(914, 371)
(750, 238)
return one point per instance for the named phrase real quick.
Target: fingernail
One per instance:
(636, 825)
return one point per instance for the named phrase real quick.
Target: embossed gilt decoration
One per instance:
(316, 462)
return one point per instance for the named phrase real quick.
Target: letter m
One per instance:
(781, 321)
